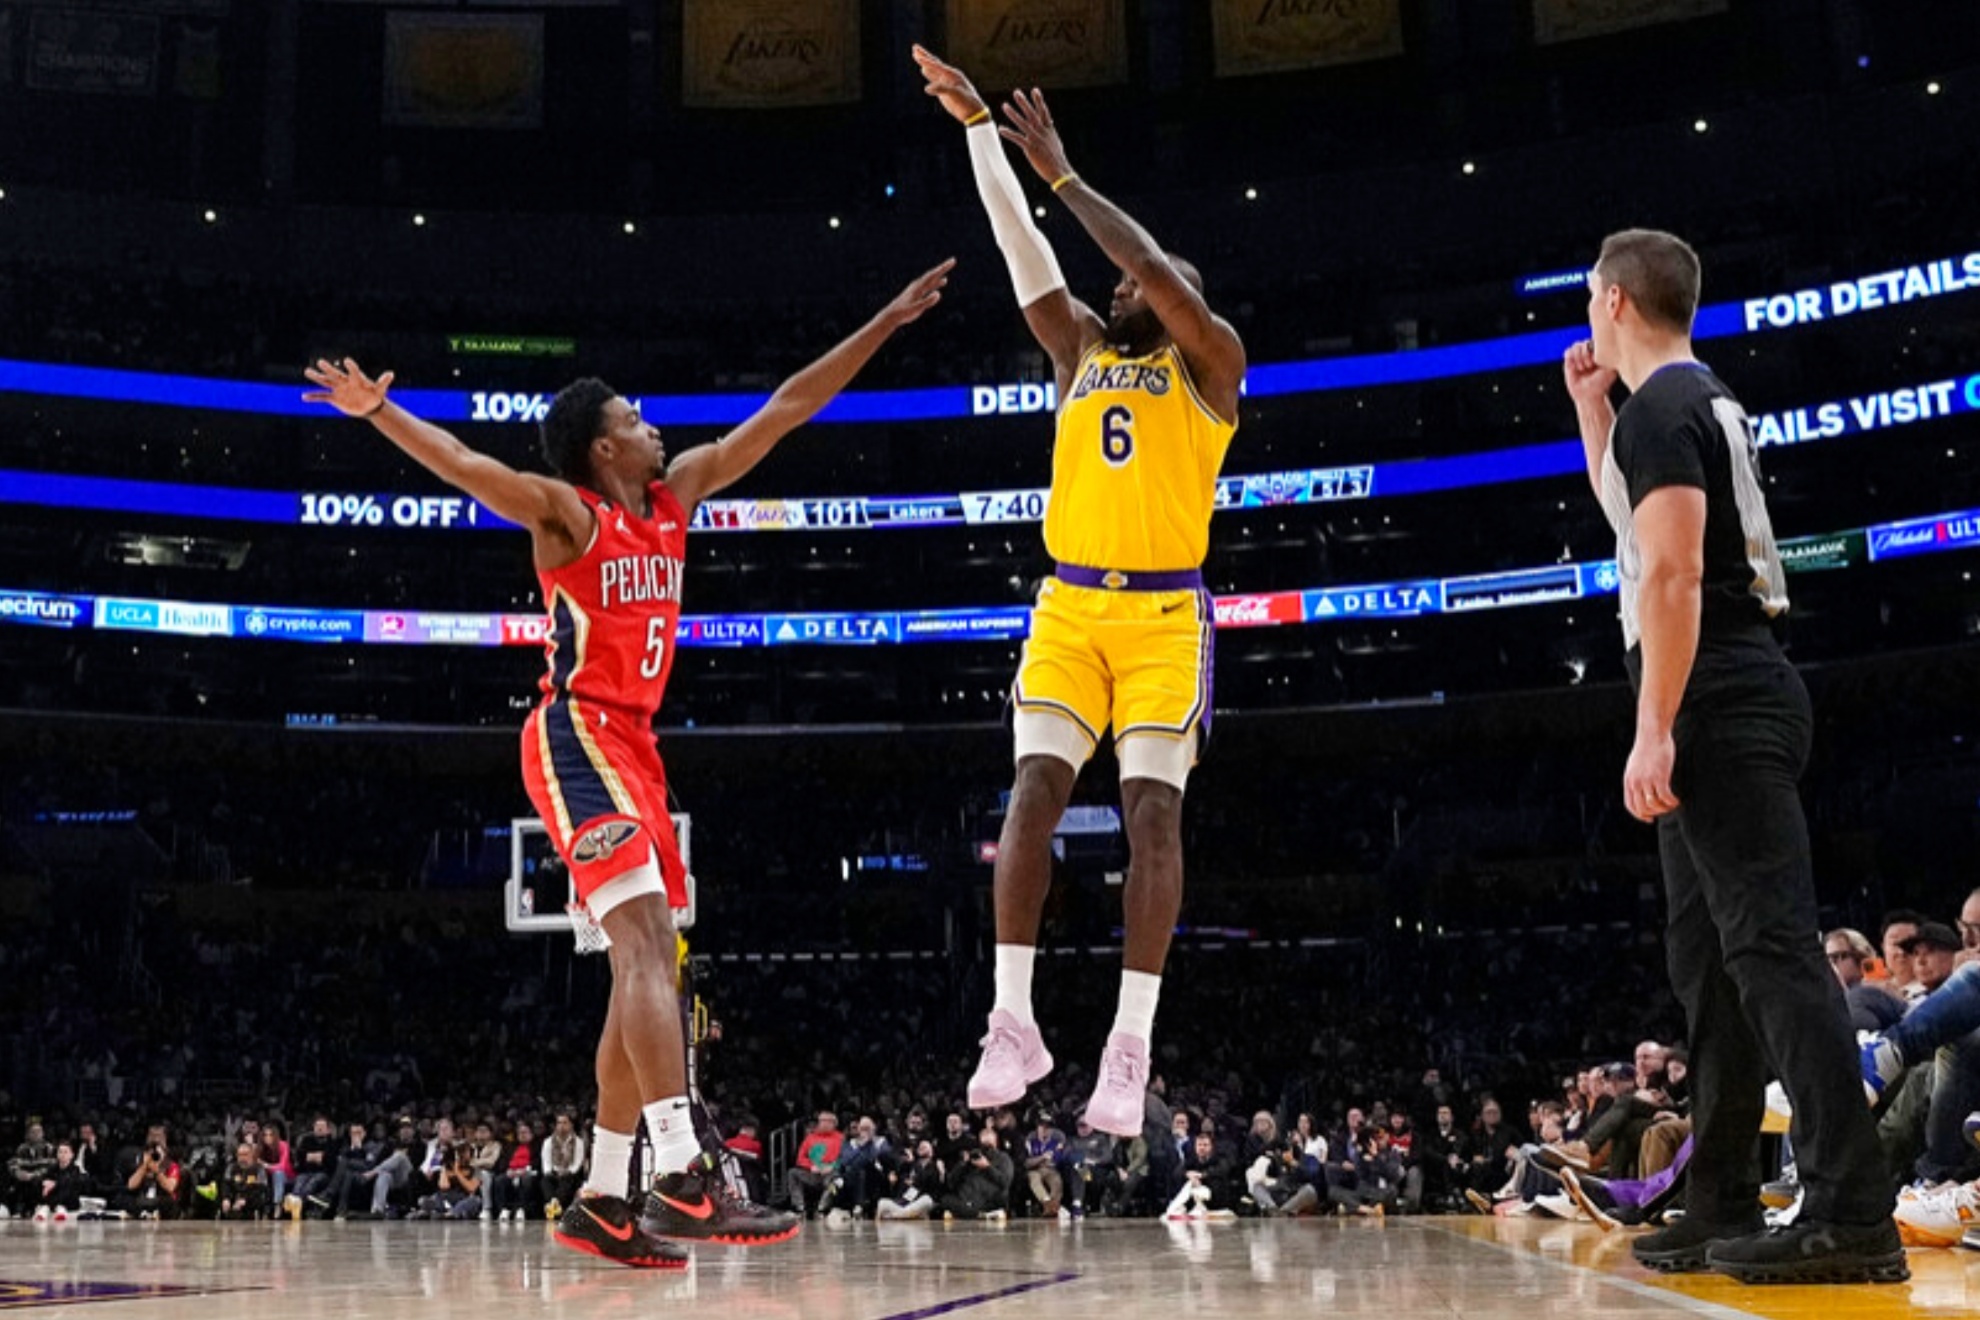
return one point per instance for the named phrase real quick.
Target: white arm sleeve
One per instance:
(1034, 270)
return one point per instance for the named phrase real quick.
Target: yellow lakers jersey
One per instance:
(1134, 467)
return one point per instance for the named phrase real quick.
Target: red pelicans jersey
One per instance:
(613, 612)
(590, 761)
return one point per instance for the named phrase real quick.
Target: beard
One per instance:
(1137, 329)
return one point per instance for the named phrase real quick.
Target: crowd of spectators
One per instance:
(233, 1167)
(1387, 1094)
(1197, 1158)
(269, 1072)
(1921, 1059)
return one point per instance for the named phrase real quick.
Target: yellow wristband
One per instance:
(976, 119)
(1063, 180)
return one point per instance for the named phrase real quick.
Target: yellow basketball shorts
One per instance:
(1137, 660)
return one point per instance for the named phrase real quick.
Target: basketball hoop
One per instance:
(536, 872)
(590, 936)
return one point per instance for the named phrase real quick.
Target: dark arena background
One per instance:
(261, 677)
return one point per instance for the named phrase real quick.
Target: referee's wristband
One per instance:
(1063, 180)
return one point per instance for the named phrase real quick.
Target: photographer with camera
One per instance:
(459, 1194)
(151, 1186)
(980, 1184)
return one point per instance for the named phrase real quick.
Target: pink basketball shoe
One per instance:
(1014, 1056)
(1116, 1105)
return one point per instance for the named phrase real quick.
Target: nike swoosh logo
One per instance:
(621, 1234)
(702, 1211)
(1171, 609)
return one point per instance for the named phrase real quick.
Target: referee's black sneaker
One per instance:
(1813, 1252)
(697, 1204)
(1685, 1247)
(606, 1226)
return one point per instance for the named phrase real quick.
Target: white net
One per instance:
(591, 936)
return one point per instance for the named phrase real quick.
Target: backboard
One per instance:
(538, 889)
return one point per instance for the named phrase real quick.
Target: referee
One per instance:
(1723, 727)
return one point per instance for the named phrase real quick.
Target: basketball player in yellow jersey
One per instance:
(1122, 631)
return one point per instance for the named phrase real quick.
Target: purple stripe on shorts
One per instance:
(1206, 682)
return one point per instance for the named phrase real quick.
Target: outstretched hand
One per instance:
(346, 388)
(950, 85)
(923, 293)
(1031, 127)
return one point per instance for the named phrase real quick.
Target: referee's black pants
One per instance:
(1745, 952)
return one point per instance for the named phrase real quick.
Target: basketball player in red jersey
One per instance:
(610, 539)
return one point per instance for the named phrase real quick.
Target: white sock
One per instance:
(1014, 980)
(1136, 1014)
(611, 1163)
(670, 1128)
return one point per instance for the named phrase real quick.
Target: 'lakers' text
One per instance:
(1120, 377)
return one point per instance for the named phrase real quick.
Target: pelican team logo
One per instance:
(599, 843)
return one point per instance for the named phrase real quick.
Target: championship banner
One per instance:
(1571, 20)
(767, 54)
(86, 50)
(1002, 44)
(1272, 36)
(451, 70)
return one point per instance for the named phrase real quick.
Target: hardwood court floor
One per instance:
(1399, 1270)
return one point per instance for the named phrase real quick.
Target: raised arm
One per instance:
(557, 519)
(1064, 327)
(1208, 343)
(702, 471)
(1589, 385)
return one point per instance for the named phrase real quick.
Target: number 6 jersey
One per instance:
(1134, 468)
